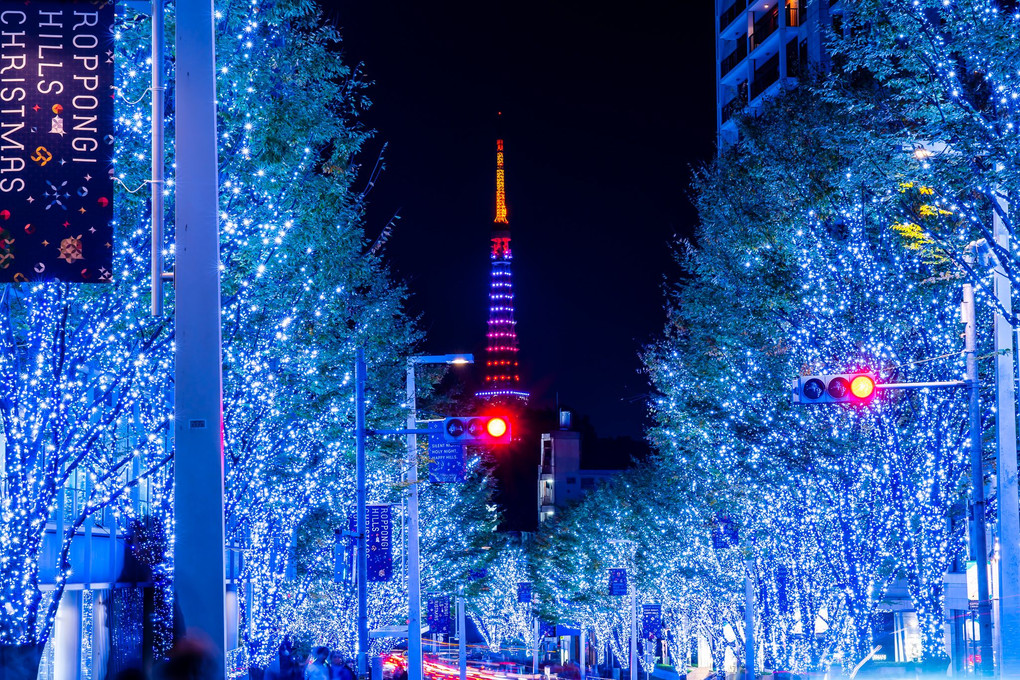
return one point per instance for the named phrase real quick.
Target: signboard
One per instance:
(617, 582)
(446, 459)
(56, 141)
(524, 592)
(379, 540)
(437, 613)
(343, 551)
(477, 574)
(651, 621)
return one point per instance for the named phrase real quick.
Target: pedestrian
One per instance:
(316, 668)
(338, 668)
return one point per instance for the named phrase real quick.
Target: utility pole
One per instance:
(198, 414)
(978, 539)
(1005, 435)
(414, 658)
(360, 433)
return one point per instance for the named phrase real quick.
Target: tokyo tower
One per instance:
(502, 375)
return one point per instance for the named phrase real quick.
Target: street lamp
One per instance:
(414, 657)
(633, 604)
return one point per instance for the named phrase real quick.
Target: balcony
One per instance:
(765, 27)
(733, 106)
(765, 75)
(734, 58)
(731, 13)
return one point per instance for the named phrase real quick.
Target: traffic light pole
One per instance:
(414, 658)
(978, 540)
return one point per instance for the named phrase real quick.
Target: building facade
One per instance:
(764, 46)
(561, 479)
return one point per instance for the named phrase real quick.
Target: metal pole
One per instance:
(198, 414)
(978, 541)
(414, 659)
(156, 187)
(534, 659)
(359, 431)
(1005, 435)
(749, 620)
(583, 655)
(461, 634)
(633, 634)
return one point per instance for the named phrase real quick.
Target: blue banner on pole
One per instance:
(546, 629)
(782, 581)
(524, 592)
(725, 533)
(437, 614)
(56, 190)
(477, 574)
(446, 458)
(651, 621)
(379, 539)
(617, 582)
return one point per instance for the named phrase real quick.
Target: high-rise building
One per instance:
(502, 368)
(763, 47)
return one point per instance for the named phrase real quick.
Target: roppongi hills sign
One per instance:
(56, 140)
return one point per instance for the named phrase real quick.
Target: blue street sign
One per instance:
(446, 458)
(379, 539)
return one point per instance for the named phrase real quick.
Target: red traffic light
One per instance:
(497, 427)
(845, 388)
(477, 430)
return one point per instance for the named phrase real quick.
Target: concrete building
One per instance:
(561, 479)
(764, 46)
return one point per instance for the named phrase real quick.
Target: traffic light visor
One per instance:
(496, 427)
(862, 386)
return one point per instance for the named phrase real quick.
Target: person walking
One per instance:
(316, 668)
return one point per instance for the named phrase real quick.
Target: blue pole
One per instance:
(359, 411)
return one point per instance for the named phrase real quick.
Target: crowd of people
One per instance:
(321, 664)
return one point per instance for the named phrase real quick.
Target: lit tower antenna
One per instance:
(502, 375)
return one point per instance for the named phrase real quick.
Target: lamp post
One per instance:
(633, 604)
(414, 658)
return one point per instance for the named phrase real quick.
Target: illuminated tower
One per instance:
(502, 376)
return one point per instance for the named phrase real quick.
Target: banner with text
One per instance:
(524, 592)
(56, 141)
(446, 459)
(438, 614)
(651, 621)
(379, 537)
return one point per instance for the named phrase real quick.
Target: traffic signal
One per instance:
(842, 388)
(477, 430)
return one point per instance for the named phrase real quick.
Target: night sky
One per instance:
(606, 106)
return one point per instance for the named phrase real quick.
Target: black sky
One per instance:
(605, 106)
